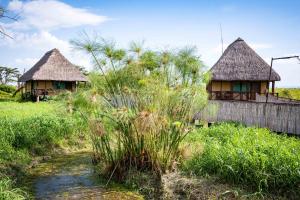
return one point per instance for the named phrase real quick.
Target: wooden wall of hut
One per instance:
(49, 86)
(277, 117)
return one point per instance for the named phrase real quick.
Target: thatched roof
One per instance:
(53, 66)
(240, 62)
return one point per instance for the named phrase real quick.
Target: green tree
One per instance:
(8, 75)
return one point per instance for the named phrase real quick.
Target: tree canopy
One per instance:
(8, 75)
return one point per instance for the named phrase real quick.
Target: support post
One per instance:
(280, 58)
(267, 95)
(273, 87)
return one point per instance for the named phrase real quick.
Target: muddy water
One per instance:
(72, 176)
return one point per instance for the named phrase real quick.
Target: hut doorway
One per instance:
(255, 88)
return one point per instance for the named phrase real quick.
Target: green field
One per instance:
(291, 93)
(252, 157)
(27, 109)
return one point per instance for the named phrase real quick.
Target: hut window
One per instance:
(245, 87)
(34, 84)
(241, 87)
(59, 85)
(237, 87)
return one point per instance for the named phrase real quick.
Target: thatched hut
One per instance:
(52, 74)
(240, 74)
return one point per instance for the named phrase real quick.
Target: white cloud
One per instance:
(26, 62)
(42, 40)
(50, 14)
(39, 43)
(15, 5)
(32, 32)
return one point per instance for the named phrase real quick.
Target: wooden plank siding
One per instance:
(41, 85)
(224, 90)
(277, 117)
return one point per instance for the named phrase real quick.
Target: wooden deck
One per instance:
(278, 117)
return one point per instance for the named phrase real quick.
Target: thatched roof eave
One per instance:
(240, 62)
(53, 66)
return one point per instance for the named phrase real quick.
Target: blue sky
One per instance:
(271, 28)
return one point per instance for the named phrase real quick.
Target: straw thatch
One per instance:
(240, 63)
(53, 66)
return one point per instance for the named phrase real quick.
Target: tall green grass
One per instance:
(9, 192)
(254, 157)
(30, 129)
(36, 131)
(33, 128)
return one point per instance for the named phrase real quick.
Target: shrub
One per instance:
(7, 88)
(251, 156)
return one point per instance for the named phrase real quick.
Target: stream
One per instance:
(72, 176)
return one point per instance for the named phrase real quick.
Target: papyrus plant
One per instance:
(140, 106)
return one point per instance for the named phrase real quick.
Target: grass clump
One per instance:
(254, 157)
(8, 191)
(32, 132)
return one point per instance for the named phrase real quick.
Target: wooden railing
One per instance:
(44, 92)
(229, 95)
(288, 99)
(39, 92)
